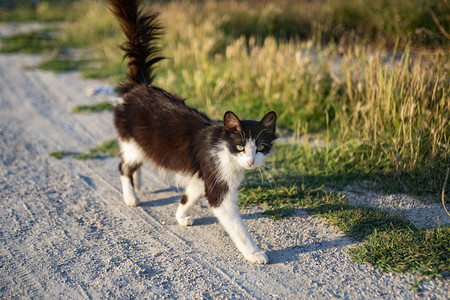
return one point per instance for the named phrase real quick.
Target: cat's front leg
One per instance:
(228, 215)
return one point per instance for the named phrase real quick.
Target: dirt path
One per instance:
(65, 232)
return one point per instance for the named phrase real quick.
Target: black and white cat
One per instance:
(156, 126)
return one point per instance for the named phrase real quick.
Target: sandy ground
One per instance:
(66, 233)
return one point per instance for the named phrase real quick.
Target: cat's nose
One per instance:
(250, 163)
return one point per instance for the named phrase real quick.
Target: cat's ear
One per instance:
(269, 121)
(231, 122)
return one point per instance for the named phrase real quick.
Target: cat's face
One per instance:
(250, 141)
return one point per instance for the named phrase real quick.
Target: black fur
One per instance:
(142, 32)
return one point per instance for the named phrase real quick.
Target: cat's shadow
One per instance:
(293, 253)
(160, 202)
(278, 256)
(213, 220)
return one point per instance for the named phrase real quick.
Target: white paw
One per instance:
(131, 200)
(257, 258)
(185, 221)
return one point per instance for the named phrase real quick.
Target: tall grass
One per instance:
(400, 107)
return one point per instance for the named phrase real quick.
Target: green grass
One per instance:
(357, 222)
(295, 176)
(407, 249)
(32, 42)
(60, 154)
(58, 64)
(98, 107)
(387, 241)
(43, 11)
(108, 148)
(337, 165)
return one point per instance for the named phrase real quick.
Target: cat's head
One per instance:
(249, 141)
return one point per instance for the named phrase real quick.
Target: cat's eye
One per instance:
(240, 148)
(260, 148)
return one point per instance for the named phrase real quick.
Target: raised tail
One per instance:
(142, 32)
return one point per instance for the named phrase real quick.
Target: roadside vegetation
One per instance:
(108, 148)
(363, 84)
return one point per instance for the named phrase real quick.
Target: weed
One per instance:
(31, 42)
(62, 153)
(98, 107)
(407, 249)
(61, 64)
(108, 148)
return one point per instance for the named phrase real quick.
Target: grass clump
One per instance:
(32, 42)
(337, 165)
(98, 107)
(60, 154)
(61, 64)
(407, 249)
(108, 148)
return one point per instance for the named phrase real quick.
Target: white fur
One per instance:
(228, 215)
(195, 188)
(129, 196)
(231, 170)
(250, 158)
(131, 152)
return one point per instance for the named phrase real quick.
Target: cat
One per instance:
(156, 126)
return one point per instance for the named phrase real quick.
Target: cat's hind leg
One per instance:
(137, 179)
(194, 190)
(131, 160)
(126, 178)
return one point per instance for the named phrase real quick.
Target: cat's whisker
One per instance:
(278, 173)
(260, 134)
(261, 173)
(269, 178)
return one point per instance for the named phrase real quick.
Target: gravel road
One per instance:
(66, 233)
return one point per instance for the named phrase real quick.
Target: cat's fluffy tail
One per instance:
(142, 32)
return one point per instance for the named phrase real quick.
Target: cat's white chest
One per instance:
(229, 169)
